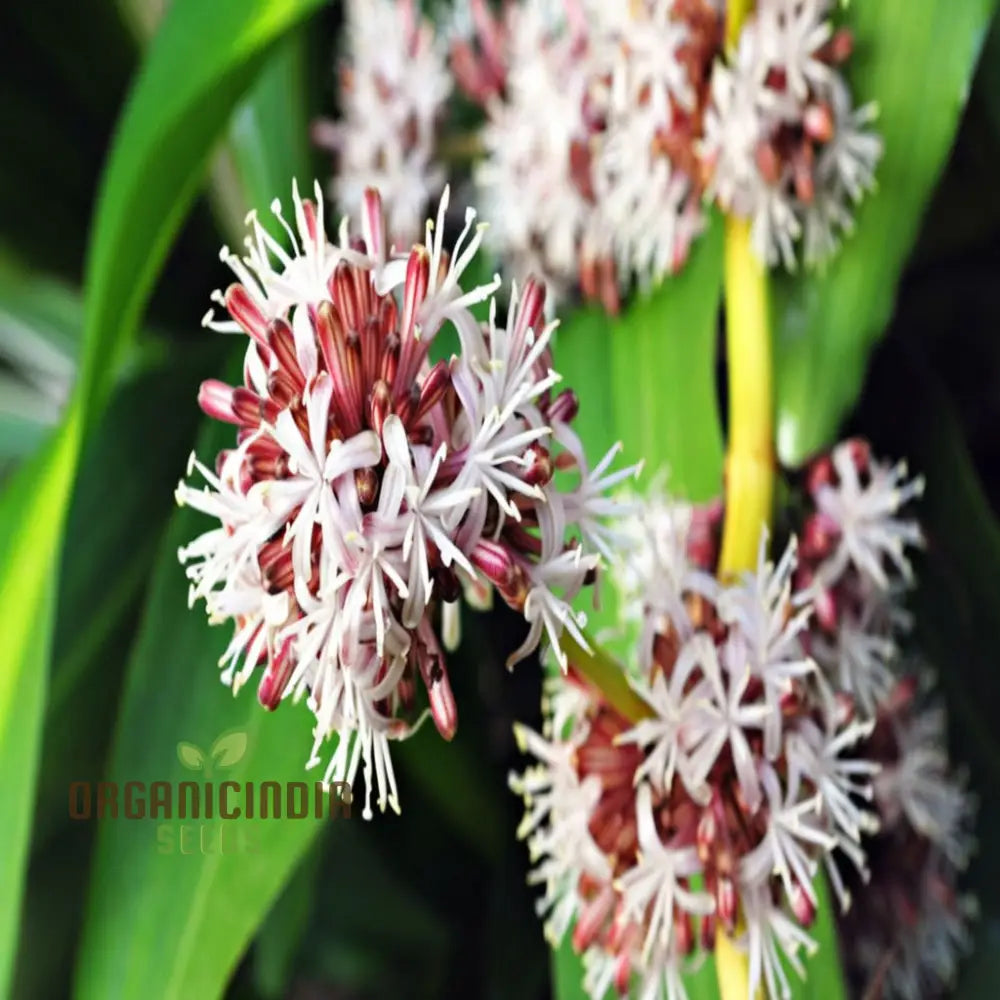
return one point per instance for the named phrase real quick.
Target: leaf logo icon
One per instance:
(229, 749)
(191, 756)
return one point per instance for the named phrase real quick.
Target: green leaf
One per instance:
(647, 379)
(139, 452)
(187, 917)
(824, 978)
(166, 133)
(31, 513)
(281, 935)
(267, 142)
(825, 325)
(171, 119)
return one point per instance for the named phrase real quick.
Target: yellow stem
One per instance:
(737, 12)
(731, 969)
(604, 671)
(750, 456)
(749, 469)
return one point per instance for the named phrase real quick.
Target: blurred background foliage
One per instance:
(108, 669)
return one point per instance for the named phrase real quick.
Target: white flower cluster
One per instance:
(855, 560)
(785, 146)
(649, 71)
(589, 161)
(609, 124)
(393, 89)
(534, 177)
(913, 923)
(367, 485)
(724, 802)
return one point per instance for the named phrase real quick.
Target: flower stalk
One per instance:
(749, 475)
(750, 458)
(737, 12)
(602, 670)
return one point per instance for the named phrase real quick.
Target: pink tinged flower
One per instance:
(865, 511)
(795, 835)
(773, 939)
(345, 705)
(657, 573)
(721, 719)
(793, 34)
(393, 93)
(663, 735)
(768, 636)
(910, 927)
(426, 511)
(657, 886)
(593, 504)
(559, 806)
(368, 486)
(553, 582)
(922, 787)
(861, 655)
(843, 780)
(784, 145)
(272, 280)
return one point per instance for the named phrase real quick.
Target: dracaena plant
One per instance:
(765, 733)
(738, 781)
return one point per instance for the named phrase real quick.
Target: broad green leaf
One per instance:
(267, 142)
(162, 142)
(161, 923)
(281, 935)
(647, 377)
(663, 360)
(171, 120)
(825, 325)
(136, 454)
(31, 513)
